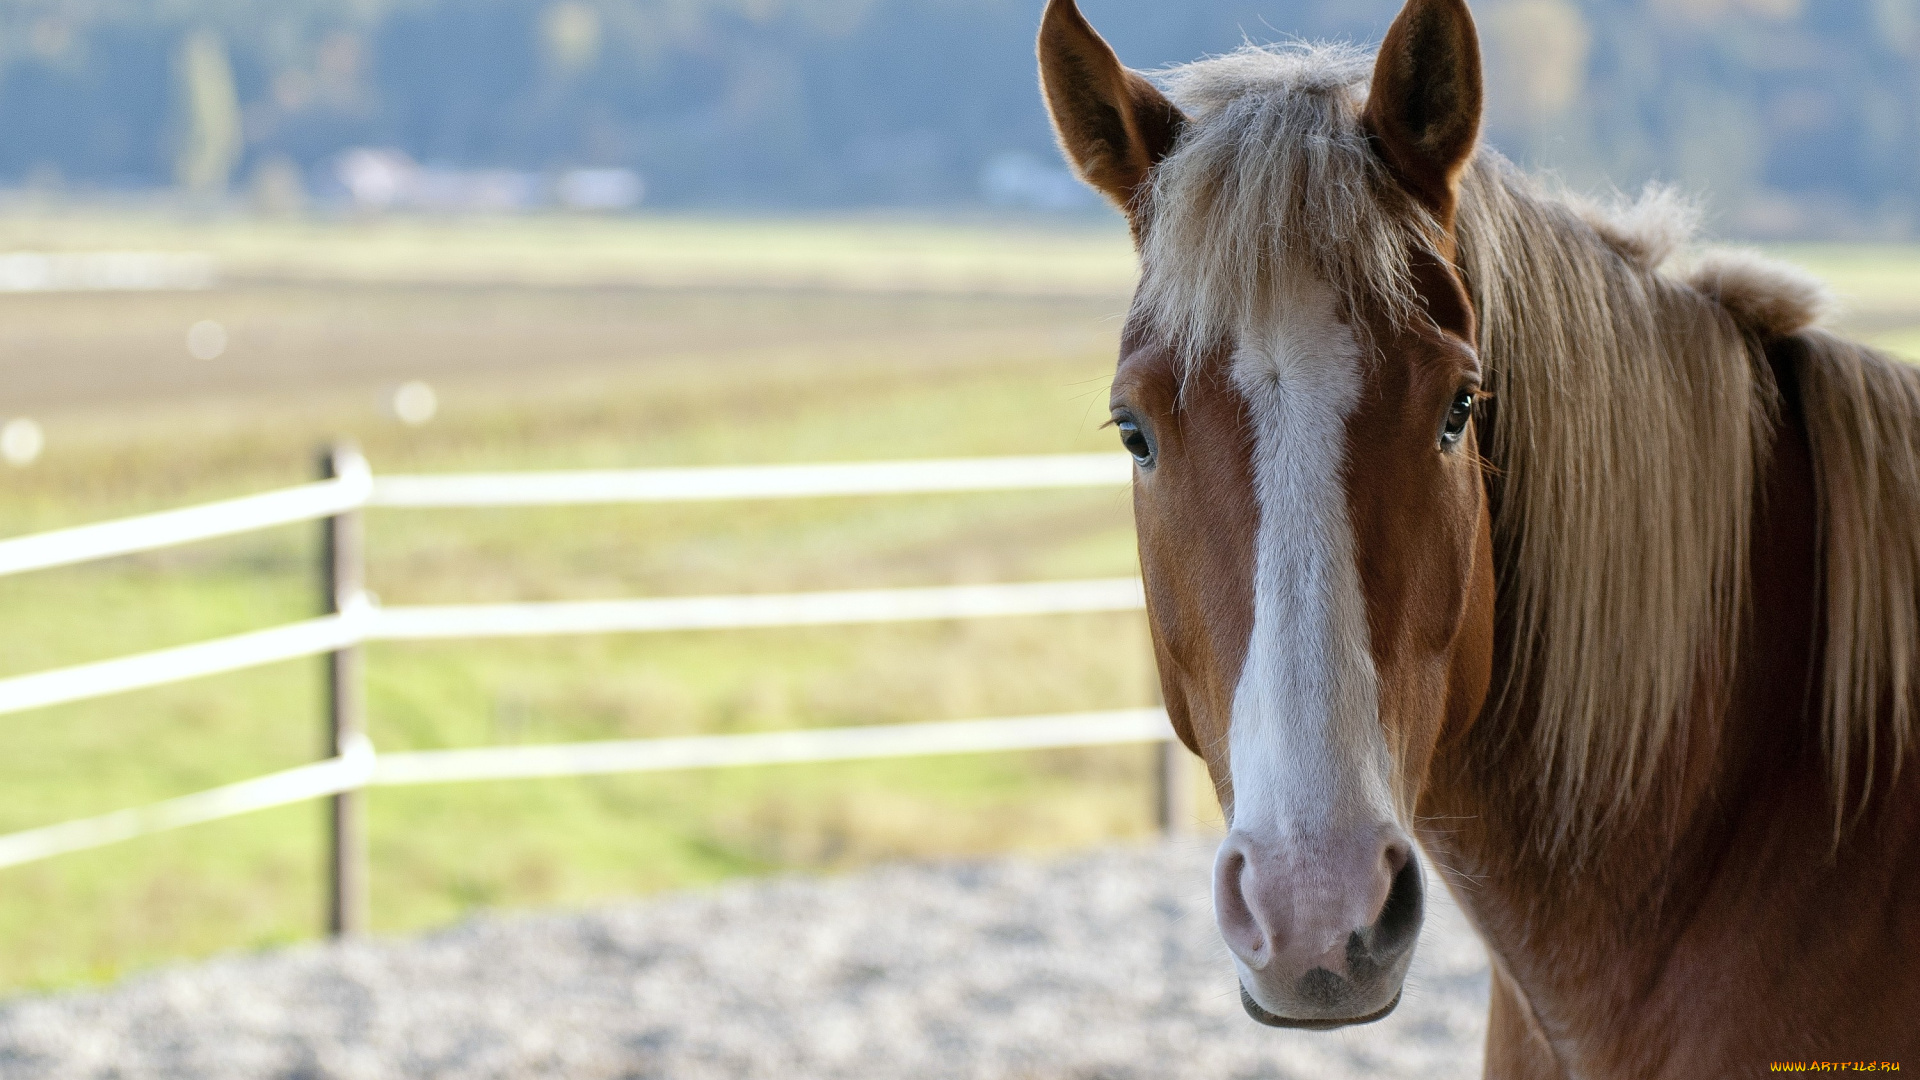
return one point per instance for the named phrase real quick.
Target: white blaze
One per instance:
(1307, 755)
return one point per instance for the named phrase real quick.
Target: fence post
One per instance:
(1174, 794)
(1172, 780)
(343, 580)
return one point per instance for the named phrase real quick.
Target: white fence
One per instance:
(354, 619)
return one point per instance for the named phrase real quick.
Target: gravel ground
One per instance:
(1104, 965)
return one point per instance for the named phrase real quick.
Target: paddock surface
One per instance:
(1102, 965)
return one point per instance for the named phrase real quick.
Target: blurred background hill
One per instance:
(1798, 117)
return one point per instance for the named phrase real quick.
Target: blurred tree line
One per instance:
(1798, 117)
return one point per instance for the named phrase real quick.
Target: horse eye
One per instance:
(1457, 417)
(1134, 440)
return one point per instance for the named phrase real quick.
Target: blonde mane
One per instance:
(1633, 418)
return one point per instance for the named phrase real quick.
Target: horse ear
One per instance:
(1112, 124)
(1424, 107)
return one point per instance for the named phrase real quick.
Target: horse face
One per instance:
(1315, 543)
(1314, 537)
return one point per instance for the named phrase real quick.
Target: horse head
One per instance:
(1297, 384)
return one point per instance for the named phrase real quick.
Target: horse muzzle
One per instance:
(1322, 942)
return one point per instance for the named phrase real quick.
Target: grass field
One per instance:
(561, 343)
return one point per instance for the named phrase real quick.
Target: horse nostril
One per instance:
(1238, 924)
(1396, 855)
(1400, 918)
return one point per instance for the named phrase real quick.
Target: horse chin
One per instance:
(1271, 1020)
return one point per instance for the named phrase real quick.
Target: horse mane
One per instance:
(1863, 423)
(1633, 415)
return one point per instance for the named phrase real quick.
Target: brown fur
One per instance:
(1423, 532)
(1199, 598)
(1112, 124)
(1423, 108)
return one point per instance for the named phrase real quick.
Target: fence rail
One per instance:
(360, 766)
(362, 621)
(350, 487)
(930, 477)
(357, 487)
(171, 528)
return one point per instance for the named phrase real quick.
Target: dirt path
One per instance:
(1103, 965)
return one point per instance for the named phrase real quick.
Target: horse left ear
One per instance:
(1424, 107)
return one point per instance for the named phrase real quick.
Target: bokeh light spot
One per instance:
(206, 340)
(21, 441)
(415, 403)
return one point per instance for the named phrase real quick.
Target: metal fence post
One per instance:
(1172, 780)
(1174, 788)
(343, 580)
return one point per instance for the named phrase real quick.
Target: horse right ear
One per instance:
(1423, 110)
(1113, 125)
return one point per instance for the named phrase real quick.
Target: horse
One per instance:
(1516, 525)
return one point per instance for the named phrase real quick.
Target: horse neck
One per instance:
(1584, 942)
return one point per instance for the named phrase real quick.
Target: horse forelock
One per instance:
(1634, 408)
(1272, 181)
